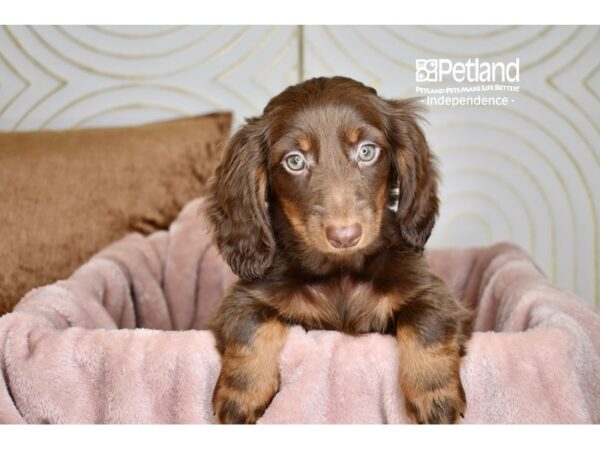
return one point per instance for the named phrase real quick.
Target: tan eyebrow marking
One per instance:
(352, 135)
(304, 143)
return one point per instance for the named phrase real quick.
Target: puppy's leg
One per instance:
(431, 331)
(250, 341)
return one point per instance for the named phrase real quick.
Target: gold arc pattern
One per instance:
(466, 195)
(166, 30)
(494, 31)
(488, 174)
(126, 87)
(559, 179)
(232, 42)
(465, 217)
(532, 179)
(128, 106)
(172, 51)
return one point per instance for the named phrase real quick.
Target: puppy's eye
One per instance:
(367, 152)
(295, 162)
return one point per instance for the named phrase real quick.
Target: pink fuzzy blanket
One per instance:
(109, 344)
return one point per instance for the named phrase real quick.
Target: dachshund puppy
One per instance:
(322, 207)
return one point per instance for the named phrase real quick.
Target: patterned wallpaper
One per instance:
(528, 172)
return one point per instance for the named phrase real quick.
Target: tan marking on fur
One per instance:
(293, 215)
(382, 199)
(352, 135)
(304, 143)
(429, 376)
(259, 365)
(382, 313)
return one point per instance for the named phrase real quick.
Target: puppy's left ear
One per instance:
(236, 204)
(415, 167)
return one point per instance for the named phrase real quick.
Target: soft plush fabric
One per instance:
(69, 352)
(65, 195)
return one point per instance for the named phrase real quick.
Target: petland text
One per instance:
(472, 71)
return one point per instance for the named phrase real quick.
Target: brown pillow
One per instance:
(65, 195)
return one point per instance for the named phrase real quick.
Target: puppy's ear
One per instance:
(415, 167)
(236, 204)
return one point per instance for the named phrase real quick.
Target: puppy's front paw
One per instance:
(442, 405)
(239, 402)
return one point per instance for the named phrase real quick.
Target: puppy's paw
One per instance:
(241, 403)
(444, 405)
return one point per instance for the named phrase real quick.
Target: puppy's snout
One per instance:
(344, 236)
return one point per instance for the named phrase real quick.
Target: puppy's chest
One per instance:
(340, 304)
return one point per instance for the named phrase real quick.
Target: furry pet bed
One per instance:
(108, 344)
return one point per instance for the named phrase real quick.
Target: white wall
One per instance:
(528, 172)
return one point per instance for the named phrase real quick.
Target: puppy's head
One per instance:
(326, 159)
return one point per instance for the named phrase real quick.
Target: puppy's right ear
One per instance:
(237, 204)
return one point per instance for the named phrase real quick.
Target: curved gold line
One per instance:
(61, 82)
(587, 79)
(468, 215)
(496, 176)
(134, 57)
(25, 81)
(501, 30)
(574, 58)
(488, 199)
(376, 49)
(14, 70)
(12, 99)
(35, 62)
(129, 106)
(129, 77)
(98, 92)
(376, 80)
(219, 78)
(555, 51)
(514, 48)
(35, 106)
(172, 29)
(539, 188)
(550, 80)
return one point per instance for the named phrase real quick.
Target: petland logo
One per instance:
(472, 71)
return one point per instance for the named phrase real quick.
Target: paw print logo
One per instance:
(427, 70)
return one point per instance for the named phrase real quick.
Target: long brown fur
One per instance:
(270, 224)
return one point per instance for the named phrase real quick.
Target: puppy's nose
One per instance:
(344, 237)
